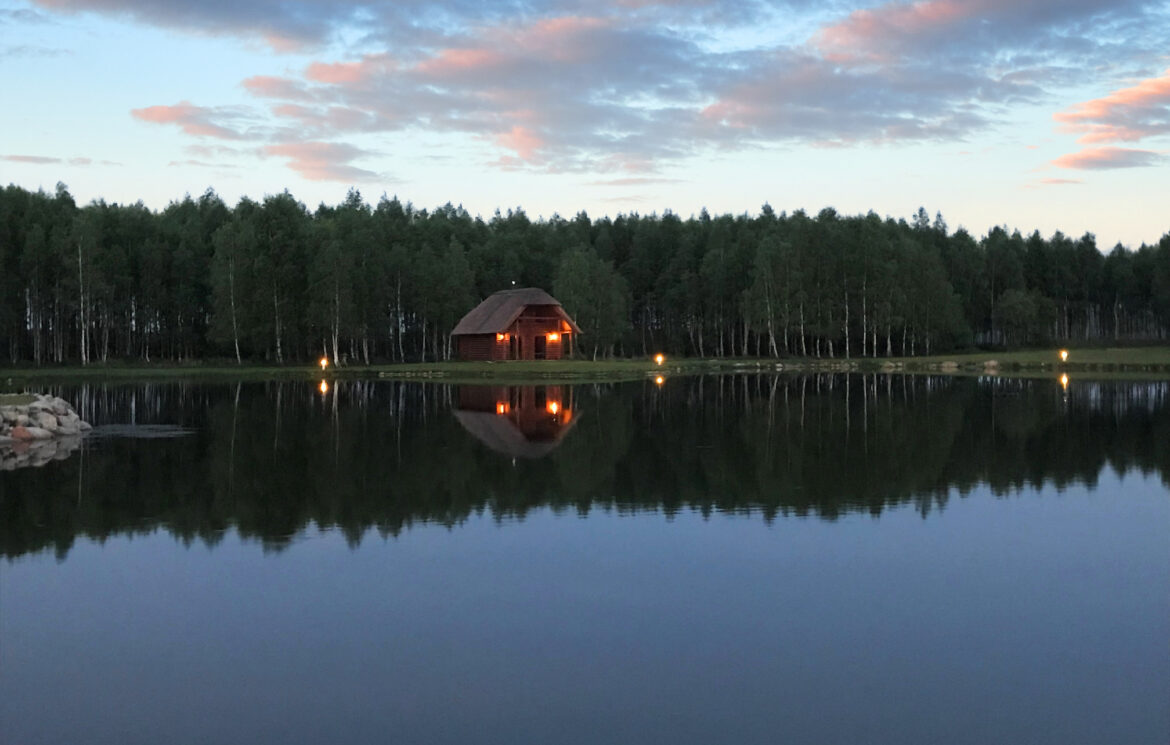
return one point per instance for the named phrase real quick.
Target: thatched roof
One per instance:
(495, 314)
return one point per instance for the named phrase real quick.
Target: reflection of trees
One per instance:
(272, 459)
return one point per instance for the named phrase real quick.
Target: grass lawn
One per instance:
(1129, 356)
(1128, 362)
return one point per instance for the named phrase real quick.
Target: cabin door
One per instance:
(539, 347)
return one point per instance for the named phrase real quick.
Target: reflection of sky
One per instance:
(1037, 618)
(608, 107)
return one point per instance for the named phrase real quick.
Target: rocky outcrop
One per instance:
(38, 431)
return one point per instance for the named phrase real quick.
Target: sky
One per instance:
(1048, 114)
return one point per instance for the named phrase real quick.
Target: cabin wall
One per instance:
(540, 321)
(479, 347)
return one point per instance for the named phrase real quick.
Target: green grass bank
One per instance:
(1126, 362)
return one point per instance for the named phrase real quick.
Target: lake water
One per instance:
(833, 559)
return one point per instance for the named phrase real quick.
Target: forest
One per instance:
(273, 282)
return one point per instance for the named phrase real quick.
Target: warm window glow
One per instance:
(499, 337)
(324, 362)
(660, 358)
(502, 407)
(554, 337)
(1064, 355)
(324, 387)
(553, 407)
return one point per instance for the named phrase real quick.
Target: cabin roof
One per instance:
(498, 311)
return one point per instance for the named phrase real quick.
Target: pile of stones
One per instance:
(34, 433)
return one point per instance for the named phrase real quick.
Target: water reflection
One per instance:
(517, 421)
(271, 459)
(37, 453)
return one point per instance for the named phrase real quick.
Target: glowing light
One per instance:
(501, 407)
(324, 362)
(499, 337)
(659, 380)
(554, 337)
(1064, 381)
(324, 387)
(1064, 355)
(659, 358)
(553, 407)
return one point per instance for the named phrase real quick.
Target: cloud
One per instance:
(1104, 158)
(626, 85)
(635, 181)
(267, 86)
(945, 30)
(32, 50)
(1125, 115)
(46, 160)
(323, 161)
(284, 25)
(35, 159)
(198, 164)
(1060, 181)
(22, 16)
(198, 121)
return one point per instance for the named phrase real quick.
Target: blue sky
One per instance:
(1051, 114)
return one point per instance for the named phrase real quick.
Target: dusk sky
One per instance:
(1051, 114)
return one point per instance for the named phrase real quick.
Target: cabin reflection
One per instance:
(521, 421)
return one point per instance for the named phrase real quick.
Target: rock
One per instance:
(45, 420)
(33, 434)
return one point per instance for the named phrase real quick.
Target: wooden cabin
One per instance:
(526, 324)
(526, 421)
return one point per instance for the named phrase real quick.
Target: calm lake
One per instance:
(741, 559)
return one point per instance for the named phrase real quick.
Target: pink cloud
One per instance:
(564, 40)
(1103, 158)
(1060, 181)
(449, 61)
(335, 72)
(867, 32)
(267, 86)
(323, 161)
(33, 159)
(1125, 115)
(193, 120)
(523, 141)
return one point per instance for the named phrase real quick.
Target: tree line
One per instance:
(271, 281)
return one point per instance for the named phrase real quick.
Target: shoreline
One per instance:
(1137, 363)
